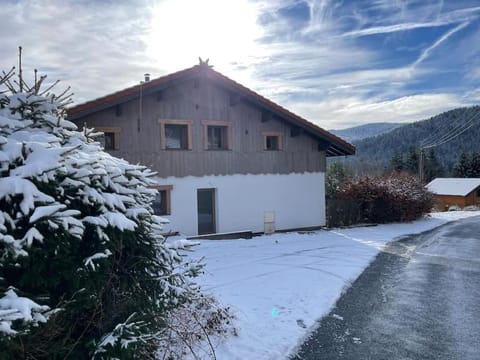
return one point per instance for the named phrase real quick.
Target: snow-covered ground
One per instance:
(279, 285)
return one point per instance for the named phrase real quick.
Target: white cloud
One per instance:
(428, 15)
(472, 96)
(393, 28)
(346, 84)
(321, 13)
(426, 53)
(319, 66)
(475, 73)
(100, 47)
(94, 46)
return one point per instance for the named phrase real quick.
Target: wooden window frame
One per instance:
(163, 140)
(277, 134)
(116, 134)
(228, 133)
(168, 197)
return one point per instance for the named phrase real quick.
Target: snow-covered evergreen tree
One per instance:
(468, 166)
(84, 272)
(336, 175)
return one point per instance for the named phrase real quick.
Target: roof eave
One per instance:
(338, 146)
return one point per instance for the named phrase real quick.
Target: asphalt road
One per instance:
(420, 299)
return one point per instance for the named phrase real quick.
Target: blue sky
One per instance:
(337, 63)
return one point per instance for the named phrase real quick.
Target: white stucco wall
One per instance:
(298, 200)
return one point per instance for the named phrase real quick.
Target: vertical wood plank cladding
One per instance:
(443, 202)
(140, 138)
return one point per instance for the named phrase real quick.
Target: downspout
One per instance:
(140, 101)
(140, 107)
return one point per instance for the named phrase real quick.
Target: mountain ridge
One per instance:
(360, 132)
(462, 124)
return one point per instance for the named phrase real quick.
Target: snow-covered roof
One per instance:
(453, 186)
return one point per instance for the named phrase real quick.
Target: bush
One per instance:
(83, 268)
(195, 328)
(342, 212)
(382, 199)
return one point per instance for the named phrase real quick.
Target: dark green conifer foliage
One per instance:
(468, 165)
(461, 168)
(337, 174)
(397, 163)
(411, 162)
(96, 258)
(474, 165)
(380, 149)
(433, 169)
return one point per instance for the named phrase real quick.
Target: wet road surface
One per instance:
(420, 299)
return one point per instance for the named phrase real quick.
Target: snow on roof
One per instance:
(453, 186)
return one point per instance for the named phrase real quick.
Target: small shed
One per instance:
(459, 192)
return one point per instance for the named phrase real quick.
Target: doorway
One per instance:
(206, 211)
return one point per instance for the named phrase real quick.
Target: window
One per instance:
(176, 134)
(110, 140)
(272, 141)
(217, 135)
(478, 192)
(161, 204)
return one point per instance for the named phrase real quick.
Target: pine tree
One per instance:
(468, 166)
(336, 176)
(474, 171)
(411, 162)
(397, 163)
(461, 167)
(83, 268)
(433, 169)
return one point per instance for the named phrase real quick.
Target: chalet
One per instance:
(227, 159)
(455, 192)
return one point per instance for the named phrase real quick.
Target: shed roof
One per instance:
(334, 145)
(453, 186)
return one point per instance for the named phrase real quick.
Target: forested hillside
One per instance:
(453, 132)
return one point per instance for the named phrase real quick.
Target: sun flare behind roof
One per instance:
(224, 31)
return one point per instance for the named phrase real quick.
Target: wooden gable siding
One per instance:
(201, 100)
